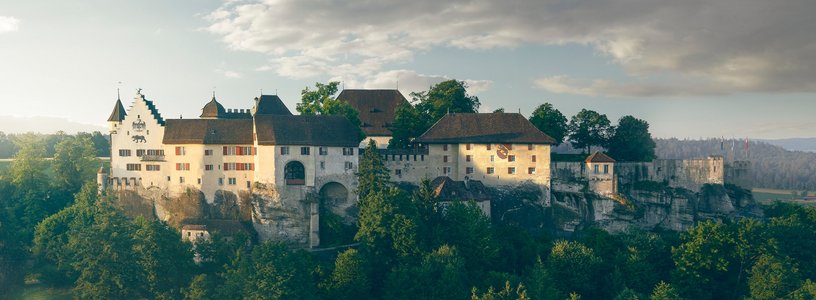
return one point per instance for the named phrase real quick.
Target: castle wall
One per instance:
(690, 174)
(140, 130)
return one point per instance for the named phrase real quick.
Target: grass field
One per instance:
(767, 196)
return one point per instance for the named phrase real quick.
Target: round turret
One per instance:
(101, 179)
(213, 110)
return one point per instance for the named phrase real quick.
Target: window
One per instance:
(248, 167)
(531, 170)
(230, 167)
(181, 179)
(492, 158)
(445, 158)
(208, 152)
(127, 182)
(467, 146)
(606, 169)
(249, 184)
(534, 158)
(323, 150)
(284, 150)
(155, 152)
(199, 181)
(231, 181)
(124, 152)
(468, 157)
(153, 167)
(208, 167)
(134, 167)
(140, 152)
(422, 157)
(247, 150)
(595, 169)
(490, 170)
(180, 151)
(445, 147)
(182, 166)
(305, 150)
(446, 170)
(398, 172)
(488, 146)
(220, 181)
(294, 173)
(168, 178)
(469, 170)
(347, 151)
(349, 165)
(529, 146)
(322, 165)
(511, 158)
(511, 170)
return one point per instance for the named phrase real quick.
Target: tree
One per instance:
(465, 226)
(350, 280)
(550, 121)
(574, 267)
(589, 128)
(271, 271)
(321, 101)
(519, 293)
(664, 291)
(773, 278)
(540, 283)
(166, 260)
(627, 294)
(372, 175)
(200, 288)
(632, 141)
(440, 275)
(30, 182)
(409, 123)
(703, 261)
(74, 162)
(447, 97)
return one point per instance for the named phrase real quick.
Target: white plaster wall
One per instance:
(122, 137)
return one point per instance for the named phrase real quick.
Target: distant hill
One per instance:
(10, 124)
(795, 144)
(771, 166)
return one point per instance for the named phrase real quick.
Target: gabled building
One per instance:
(601, 174)
(376, 111)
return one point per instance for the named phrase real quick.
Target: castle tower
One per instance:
(116, 117)
(101, 180)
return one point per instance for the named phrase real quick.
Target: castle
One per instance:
(281, 172)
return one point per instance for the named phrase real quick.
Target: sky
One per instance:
(692, 68)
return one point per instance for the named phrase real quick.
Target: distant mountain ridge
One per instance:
(795, 144)
(46, 125)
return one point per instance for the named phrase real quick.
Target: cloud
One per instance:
(9, 24)
(563, 84)
(411, 81)
(732, 46)
(232, 74)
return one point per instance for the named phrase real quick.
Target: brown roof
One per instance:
(118, 114)
(599, 157)
(225, 227)
(376, 108)
(271, 105)
(447, 189)
(306, 130)
(484, 128)
(194, 227)
(208, 131)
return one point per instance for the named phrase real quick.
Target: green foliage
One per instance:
(440, 275)
(74, 162)
(166, 261)
(350, 278)
(665, 291)
(201, 288)
(589, 128)
(632, 141)
(372, 175)
(409, 123)
(773, 278)
(519, 293)
(447, 97)
(541, 284)
(573, 266)
(30, 182)
(807, 291)
(321, 101)
(703, 261)
(627, 294)
(467, 228)
(270, 271)
(550, 121)
(333, 230)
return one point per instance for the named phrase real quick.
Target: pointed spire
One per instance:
(119, 112)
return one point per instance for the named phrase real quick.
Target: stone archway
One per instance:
(333, 228)
(333, 194)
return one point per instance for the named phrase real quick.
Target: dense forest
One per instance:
(771, 166)
(9, 142)
(405, 246)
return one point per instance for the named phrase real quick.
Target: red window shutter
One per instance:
(225, 166)
(225, 150)
(254, 150)
(239, 151)
(534, 158)
(251, 167)
(178, 150)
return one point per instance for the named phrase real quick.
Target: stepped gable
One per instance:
(118, 114)
(506, 128)
(271, 105)
(599, 157)
(208, 131)
(334, 131)
(153, 111)
(446, 189)
(376, 108)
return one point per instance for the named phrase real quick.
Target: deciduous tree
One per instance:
(550, 121)
(589, 128)
(632, 141)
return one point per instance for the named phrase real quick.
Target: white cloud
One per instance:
(731, 46)
(232, 74)
(9, 24)
(563, 84)
(411, 81)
